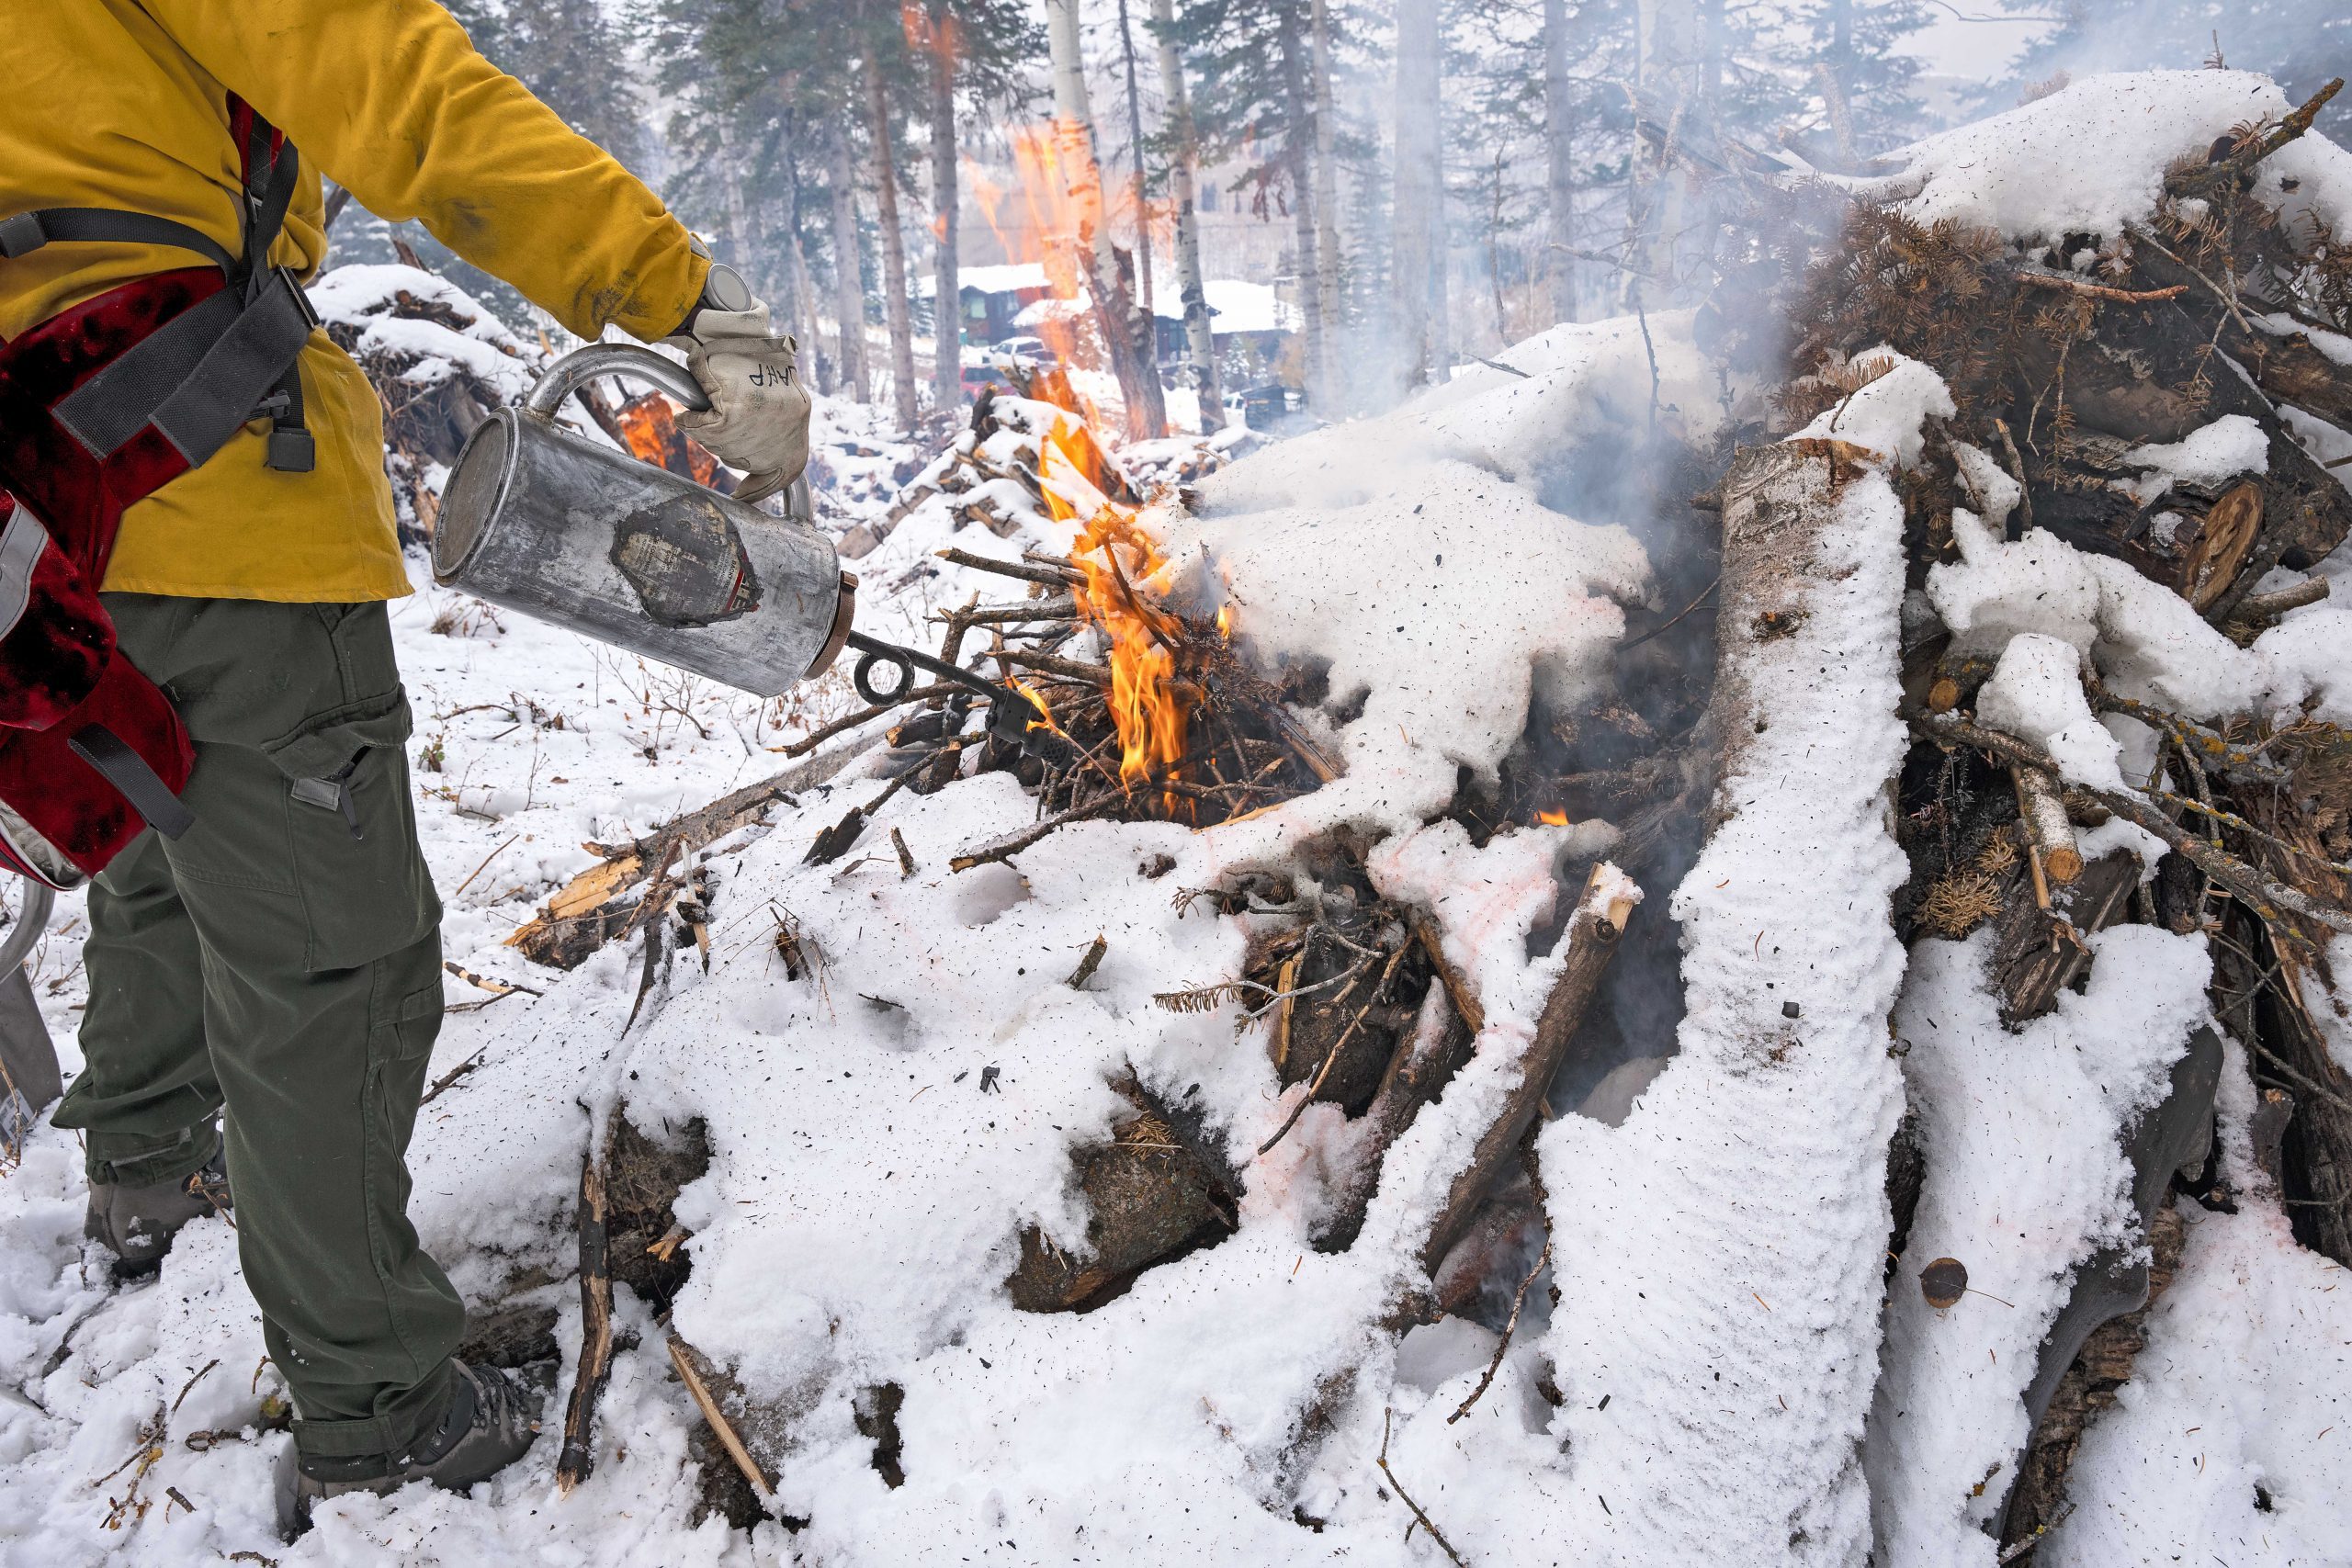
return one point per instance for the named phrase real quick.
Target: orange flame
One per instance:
(1225, 620)
(1553, 819)
(1146, 705)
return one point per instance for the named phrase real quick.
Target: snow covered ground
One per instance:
(882, 1127)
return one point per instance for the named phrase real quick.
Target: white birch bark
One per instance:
(1200, 333)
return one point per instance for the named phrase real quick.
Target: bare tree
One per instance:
(1327, 216)
(1419, 193)
(1135, 149)
(948, 299)
(1200, 332)
(849, 272)
(1128, 333)
(1669, 88)
(1559, 149)
(1298, 135)
(894, 238)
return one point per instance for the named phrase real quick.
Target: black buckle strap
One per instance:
(133, 779)
(203, 374)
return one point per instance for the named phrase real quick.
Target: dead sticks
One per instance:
(2269, 899)
(1586, 948)
(579, 1455)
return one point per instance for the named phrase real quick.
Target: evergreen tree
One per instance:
(2300, 43)
(1847, 58)
(573, 58)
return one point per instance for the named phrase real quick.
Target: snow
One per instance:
(2231, 446)
(2091, 158)
(2025, 1178)
(2036, 694)
(1712, 1325)
(1002, 279)
(1888, 414)
(363, 298)
(2225, 1443)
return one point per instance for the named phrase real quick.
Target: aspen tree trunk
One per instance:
(1667, 77)
(1298, 160)
(803, 309)
(1417, 194)
(1559, 149)
(1126, 333)
(947, 299)
(1200, 333)
(1142, 199)
(849, 272)
(894, 243)
(1327, 216)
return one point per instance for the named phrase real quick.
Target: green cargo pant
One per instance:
(283, 960)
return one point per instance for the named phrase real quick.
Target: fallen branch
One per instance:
(2098, 290)
(579, 1455)
(1586, 948)
(683, 1356)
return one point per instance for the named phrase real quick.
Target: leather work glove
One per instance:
(758, 418)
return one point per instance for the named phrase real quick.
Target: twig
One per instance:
(817, 737)
(2016, 472)
(1517, 1301)
(2099, 290)
(682, 1357)
(2232, 819)
(477, 871)
(1049, 576)
(1405, 1498)
(1637, 641)
(2018, 1549)
(1332, 1055)
(454, 1074)
(1013, 843)
(1089, 965)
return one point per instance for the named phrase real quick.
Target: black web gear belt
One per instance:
(230, 357)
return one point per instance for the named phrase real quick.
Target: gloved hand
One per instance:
(758, 418)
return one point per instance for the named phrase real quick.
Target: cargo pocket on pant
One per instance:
(364, 889)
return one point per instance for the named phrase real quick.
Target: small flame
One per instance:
(1554, 817)
(1115, 554)
(1225, 620)
(1044, 719)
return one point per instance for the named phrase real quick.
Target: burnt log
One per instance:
(1150, 1199)
(579, 1454)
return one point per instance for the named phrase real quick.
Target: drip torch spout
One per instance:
(1013, 715)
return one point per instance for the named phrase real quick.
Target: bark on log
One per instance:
(2035, 952)
(1586, 946)
(579, 1455)
(2050, 837)
(1437, 1048)
(1149, 1199)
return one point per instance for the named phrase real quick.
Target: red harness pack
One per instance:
(100, 406)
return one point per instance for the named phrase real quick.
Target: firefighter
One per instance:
(266, 987)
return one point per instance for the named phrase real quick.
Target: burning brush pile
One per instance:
(1373, 1000)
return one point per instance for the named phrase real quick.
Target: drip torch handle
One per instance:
(608, 359)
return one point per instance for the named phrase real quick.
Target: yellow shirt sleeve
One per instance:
(391, 98)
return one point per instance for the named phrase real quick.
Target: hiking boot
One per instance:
(492, 1419)
(136, 1223)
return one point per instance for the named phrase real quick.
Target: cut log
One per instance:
(2049, 838)
(1586, 948)
(1437, 1048)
